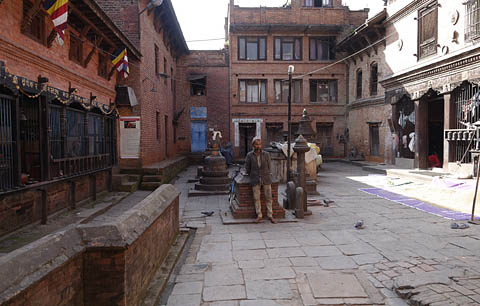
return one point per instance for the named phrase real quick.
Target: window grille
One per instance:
(95, 134)
(472, 22)
(75, 142)
(8, 152)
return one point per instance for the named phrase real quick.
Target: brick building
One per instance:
(57, 113)
(264, 41)
(433, 89)
(148, 129)
(202, 98)
(369, 135)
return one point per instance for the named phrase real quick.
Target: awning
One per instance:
(125, 96)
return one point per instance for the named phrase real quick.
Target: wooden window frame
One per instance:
(359, 85)
(156, 51)
(330, 40)
(427, 47)
(283, 40)
(318, 3)
(75, 44)
(242, 49)
(281, 98)
(38, 23)
(103, 60)
(261, 83)
(373, 79)
(313, 83)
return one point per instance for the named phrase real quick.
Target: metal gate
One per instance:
(8, 175)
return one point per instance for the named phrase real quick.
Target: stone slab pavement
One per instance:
(401, 256)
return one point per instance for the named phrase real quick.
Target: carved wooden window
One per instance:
(322, 48)
(427, 30)
(36, 28)
(373, 79)
(472, 22)
(253, 91)
(103, 60)
(288, 48)
(76, 49)
(281, 91)
(359, 83)
(323, 91)
(252, 48)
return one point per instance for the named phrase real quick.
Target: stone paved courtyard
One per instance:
(402, 256)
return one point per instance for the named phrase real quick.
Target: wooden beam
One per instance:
(85, 30)
(89, 56)
(51, 37)
(88, 22)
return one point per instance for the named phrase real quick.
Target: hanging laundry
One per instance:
(404, 141)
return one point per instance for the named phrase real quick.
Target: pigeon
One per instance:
(359, 224)
(327, 202)
(208, 213)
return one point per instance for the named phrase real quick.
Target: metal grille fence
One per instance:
(8, 177)
(467, 110)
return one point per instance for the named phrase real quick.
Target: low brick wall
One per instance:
(25, 207)
(109, 261)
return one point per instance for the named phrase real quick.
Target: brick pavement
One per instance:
(402, 255)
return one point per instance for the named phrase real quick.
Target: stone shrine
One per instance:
(214, 178)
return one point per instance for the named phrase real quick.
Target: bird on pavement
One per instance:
(208, 213)
(359, 224)
(327, 202)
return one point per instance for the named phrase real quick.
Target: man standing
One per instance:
(257, 165)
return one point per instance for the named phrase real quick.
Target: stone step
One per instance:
(119, 179)
(215, 180)
(219, 187)
(214, 173)
(152, 178)
(126, 187)
(150, 185)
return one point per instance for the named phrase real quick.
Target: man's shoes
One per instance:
(258, 220)
(273, 220)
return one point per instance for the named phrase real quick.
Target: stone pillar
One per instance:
(448, 123)
(421, 134)
(258, 130)
(301, 147)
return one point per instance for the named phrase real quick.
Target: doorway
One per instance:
(247, 133)
(435, 127)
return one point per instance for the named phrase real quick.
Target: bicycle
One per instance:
(232, 195)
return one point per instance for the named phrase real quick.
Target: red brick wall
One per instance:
(152, 149)
(214, 64)
(144, 257)
(61, 287)
(25, 207)
(26, 57)
(271, 70)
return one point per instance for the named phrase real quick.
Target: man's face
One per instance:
(257, 146)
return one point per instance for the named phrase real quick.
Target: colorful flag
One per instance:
(120, 62)
(58, 11)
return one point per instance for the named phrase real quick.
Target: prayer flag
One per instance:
(58, 11)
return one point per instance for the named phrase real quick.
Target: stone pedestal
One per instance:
(244, 207)
(214, 178)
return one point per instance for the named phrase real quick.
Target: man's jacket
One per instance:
(255, 173)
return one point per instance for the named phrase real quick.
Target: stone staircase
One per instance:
(125, 182)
